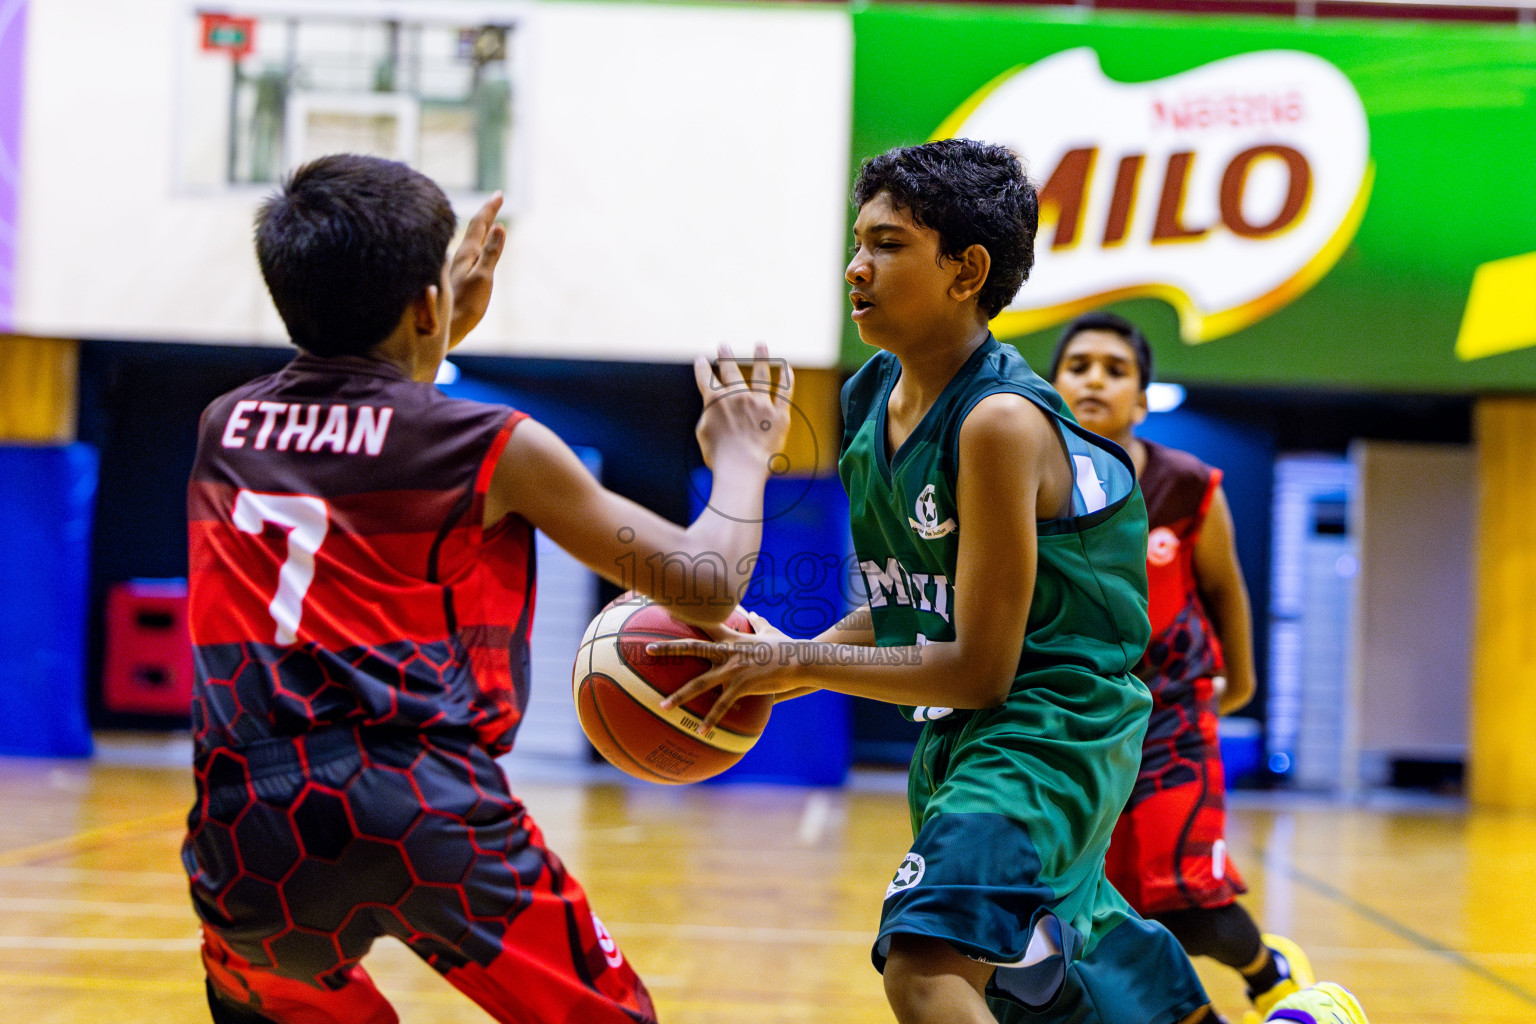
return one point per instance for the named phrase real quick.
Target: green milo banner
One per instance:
(1277, 203)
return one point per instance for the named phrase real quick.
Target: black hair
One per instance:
(1100, 320)
(971, 193)
(346, 244)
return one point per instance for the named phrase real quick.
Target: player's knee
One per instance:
(929, 980)
(913, 996)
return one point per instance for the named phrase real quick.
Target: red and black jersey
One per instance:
(1169, 850)
(1184, 653)
(339, 570)
(1178, 489)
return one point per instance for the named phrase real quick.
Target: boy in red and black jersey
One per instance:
(362, 592)
(1168, 855)
(414, 614)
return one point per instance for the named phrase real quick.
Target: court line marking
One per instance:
(1408, 934)
(112, 876)
(8, 980)
(192, 943)
(21, 856)
(100, 943)
(716, 933)
(823, 937)
(81, 841)
(1411, 955)
(813, 819)
(106, 908)
(625, 834)
(447, 997)
(750, 1006)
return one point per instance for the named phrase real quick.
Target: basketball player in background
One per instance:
(1168, 855)
(362, 590)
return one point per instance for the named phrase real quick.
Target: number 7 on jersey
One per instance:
(307, 519)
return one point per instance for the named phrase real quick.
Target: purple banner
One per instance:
(13, 33)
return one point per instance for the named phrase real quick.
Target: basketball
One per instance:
(619, 688)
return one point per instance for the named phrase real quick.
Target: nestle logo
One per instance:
(1228, 110)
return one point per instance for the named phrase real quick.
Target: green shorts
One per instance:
(1013, 808)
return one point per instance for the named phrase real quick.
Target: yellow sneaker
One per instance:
(1299, 976)
(1323, 1003)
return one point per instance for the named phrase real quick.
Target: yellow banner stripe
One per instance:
(1501, 309)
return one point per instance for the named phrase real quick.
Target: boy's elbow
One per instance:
(992, 688)
(702, 598)
(716, 612)
(703, 613)
(971, 682)
(1238, 694)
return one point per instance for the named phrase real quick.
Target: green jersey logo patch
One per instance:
(908, 875)
(927, 525)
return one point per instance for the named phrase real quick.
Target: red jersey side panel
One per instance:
(1179, 489)
(339, 572)
(1169, 849)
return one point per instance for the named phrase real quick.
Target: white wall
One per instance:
(105, 248)
(679, 179)
(1414, 523)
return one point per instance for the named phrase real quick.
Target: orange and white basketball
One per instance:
(619, 687)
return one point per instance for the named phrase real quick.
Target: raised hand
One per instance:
(472, 267)
(744, 417)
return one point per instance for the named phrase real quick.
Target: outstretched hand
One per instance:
(472, 268)
(741, 664)
(749, 411)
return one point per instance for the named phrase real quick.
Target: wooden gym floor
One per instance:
(756, 904)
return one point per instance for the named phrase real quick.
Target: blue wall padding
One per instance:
(802, 587)
(46, 498)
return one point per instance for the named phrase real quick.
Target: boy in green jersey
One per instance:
(1003, 550)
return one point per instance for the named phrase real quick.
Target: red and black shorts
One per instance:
(1169, 848)
(302, 852)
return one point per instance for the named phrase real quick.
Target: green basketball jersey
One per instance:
(1089, 608)
(1013, 806)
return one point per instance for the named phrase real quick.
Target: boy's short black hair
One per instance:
(346, 244)
(971, 193)
(1101, 320)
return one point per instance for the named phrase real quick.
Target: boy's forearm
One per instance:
(736, 489)
(934, 675)
(803, 691)
(1230, 615)
(857, 628)
(726, 537)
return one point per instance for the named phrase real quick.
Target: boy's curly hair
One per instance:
(971, 193)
